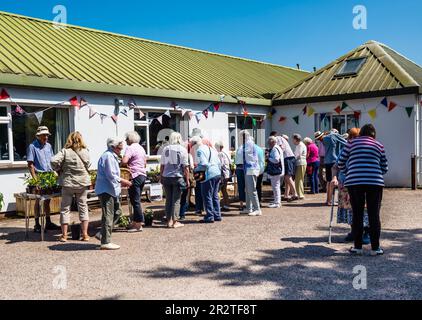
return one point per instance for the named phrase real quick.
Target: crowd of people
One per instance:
(354, 163)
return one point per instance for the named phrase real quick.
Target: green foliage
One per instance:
(149, 213)
(1, 201)
(93, 176)
(30, 181)
(124, 221)
(47, 180)
(154, 174)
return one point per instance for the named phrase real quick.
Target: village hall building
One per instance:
(104, 84)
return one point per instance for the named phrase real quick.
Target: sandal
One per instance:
(85, 238)
(63, 238)
(177, 225)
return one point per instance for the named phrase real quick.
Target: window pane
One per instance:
(339, 123)
(322, 124)
(3, 111)
(24, 129)
(352, 122)
(142, 130)
(247, 123)
(4, 142)
(232, 133)
(351, 66)
(160, 133)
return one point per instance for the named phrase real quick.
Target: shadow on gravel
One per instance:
(73, 247)
(318, 271)
(17, 235)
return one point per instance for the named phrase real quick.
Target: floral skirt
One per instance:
(344, 211)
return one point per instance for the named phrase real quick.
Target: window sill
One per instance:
(9, 165)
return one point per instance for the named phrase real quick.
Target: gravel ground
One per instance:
(281, 255)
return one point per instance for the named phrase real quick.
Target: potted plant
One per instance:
(149, 217)
(32, 184)
(123, 221)
(93, 176)
(75, 229)
(154, 175)
(48, 182)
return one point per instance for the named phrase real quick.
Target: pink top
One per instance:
(313, 154)
(137, 162)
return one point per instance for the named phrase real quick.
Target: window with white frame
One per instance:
(18, 131)
(153, 133)
(341, 122)
(238, 123)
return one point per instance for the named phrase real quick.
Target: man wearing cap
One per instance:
(38, 156)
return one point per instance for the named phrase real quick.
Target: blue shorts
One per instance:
(290, 166)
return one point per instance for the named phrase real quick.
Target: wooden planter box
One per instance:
(21, 205)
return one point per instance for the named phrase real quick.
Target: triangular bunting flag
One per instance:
(4, 95)
(372, 113)
(205, 113)
(409, 111)
(254, 122)
(183, 112)
(344, 105)
(132, 105)
(160, 119)
(384, 102)
(356, 115)
(19, 111)
(114, 117)
(273, 111)
(391, 106)
(141, 114)
(269, 115)
(198, 116)
(338, 109)
(305, 110)
(310, 111)
(167, 114)
(190, 115)
(296, 119)
(217, 106)
(74, 102)
(124, 112)
(82, 103)
(39, 116)
(92, 112)
(102, 117)
(222, 97)
(282, 119)
(211, 108)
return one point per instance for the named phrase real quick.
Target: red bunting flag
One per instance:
(205, 113)
(217, 106)
(282, 119)
(4, 95)
(74, 101)
(356, 115)
(305, 110)
(338, 109)
(391, 106)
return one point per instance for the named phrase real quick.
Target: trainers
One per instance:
(245, 211)
(135, 227)
(378, 252)
(110, 246)
(98, 235)
(255, 213)
(356, 252)
(273, 205)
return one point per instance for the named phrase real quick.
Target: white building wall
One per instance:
(394, 129)
(95, 133)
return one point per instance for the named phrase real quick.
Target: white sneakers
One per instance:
(245, 211)
(110, 246)
(274, 205)
(255, 213)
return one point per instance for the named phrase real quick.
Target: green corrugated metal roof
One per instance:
(34, 52)
(383, 71)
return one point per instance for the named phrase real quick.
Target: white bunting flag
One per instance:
(92, 112)
(141, 114)
(183, 112)
(167, 113)
(39, 116)
(198, 116)
(160, 119)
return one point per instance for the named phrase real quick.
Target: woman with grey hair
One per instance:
(108, 188)
(225, 174)
(174, 173)
(300, 154)
(275, 170)
(135, 159)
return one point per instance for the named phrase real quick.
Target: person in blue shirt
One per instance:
(38, 156)
(208, 161)
(108, 189)
(333, 144)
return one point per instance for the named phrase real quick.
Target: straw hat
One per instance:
(318, 135)
(42, 130)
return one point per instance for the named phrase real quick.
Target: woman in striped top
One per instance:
(364, 163)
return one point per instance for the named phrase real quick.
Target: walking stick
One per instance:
(331, 215)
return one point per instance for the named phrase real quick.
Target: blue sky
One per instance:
(311, 33)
